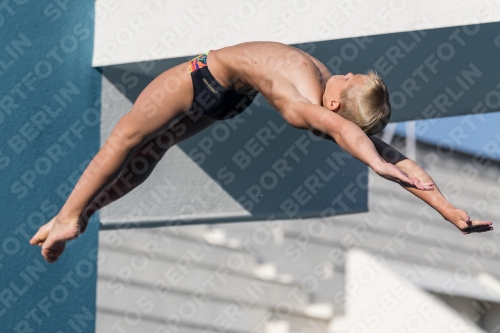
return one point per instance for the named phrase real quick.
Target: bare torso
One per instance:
(277, 71)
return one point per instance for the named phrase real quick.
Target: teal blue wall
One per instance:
(49, 130)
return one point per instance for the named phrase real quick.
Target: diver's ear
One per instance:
(333, 105)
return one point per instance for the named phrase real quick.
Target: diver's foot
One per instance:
(52, 237)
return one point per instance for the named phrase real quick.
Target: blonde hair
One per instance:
(368, 106)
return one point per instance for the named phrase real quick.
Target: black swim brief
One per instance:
(213, 99)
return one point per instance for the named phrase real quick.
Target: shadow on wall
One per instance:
(270, 168)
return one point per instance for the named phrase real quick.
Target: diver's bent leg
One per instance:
(155, 107)
(149, 154)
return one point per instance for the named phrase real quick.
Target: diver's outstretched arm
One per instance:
(302, 114)
(434, 198)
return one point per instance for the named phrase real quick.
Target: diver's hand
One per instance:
(395, 174)
(463, 222)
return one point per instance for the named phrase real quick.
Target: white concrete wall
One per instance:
(378, 300)
(131, 31)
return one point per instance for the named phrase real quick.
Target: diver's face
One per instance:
(336, 85)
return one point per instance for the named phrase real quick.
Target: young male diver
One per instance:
(347, 109)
